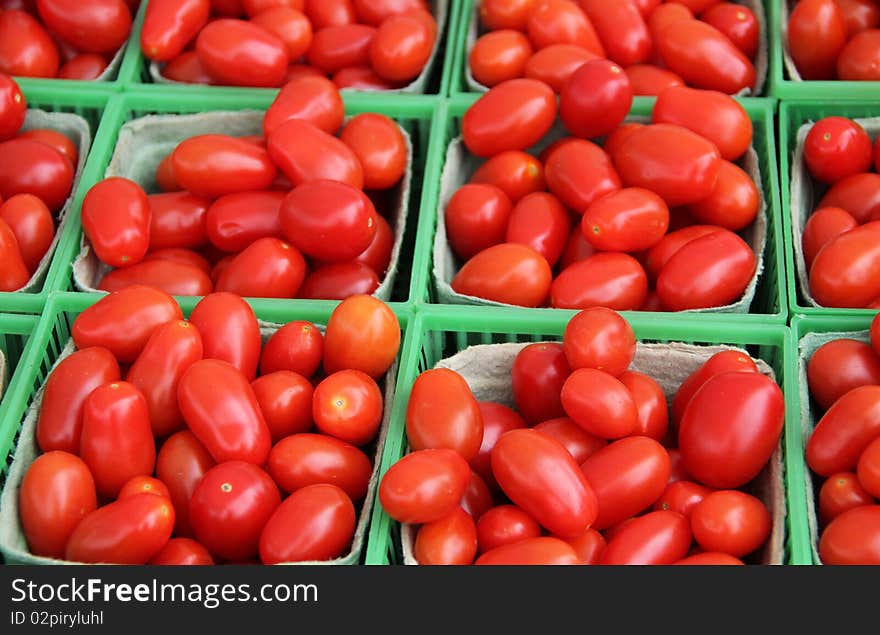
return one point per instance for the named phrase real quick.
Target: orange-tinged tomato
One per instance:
(402, 45)
(506, 14)
(507, 273)
(449, 541)
(554, 64)
(839, 493)
(347, 405)
(498, 56)
(733, 203)
(443, 413)
(380, 146)
(144, 485)
(362, 334)
(731, 522)
(291, 26)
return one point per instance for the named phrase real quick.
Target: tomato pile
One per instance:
(587, 469)
(243, 214)
(844, 447)
(841, 238)
(835, 39)
(649, 221)
(67, 39)
(37, 167)
(364, 44)
(701, 43)
(206, 433)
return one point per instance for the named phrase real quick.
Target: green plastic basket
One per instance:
(850, 326)
(792, 115)
(769, 304)
(137, 71)
(34, 344)
(782, 87)
(414, 113)
(90, 105)
(439, 332)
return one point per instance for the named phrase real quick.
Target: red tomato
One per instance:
(230, 506)
(839, 366)
(631, 219)
(26, 48)
(212, 165)
(496, 420)
(541, 222)
(543, 550)
(595, 99)
(515, 173)
(94, 26)
(507, 273)
(823, 226)
(669, 160)
(554, 64)
(443, 413)
(613, 280)
(285, 400)
(313, 99)
(621, 30)
(859, 15)
(711, 114)
(424, 486)
(165, 176)
(835, 148)
(172, 277)
(301, 460)
(57, 491)
(402, 45)
(348, 405)
(361, 78)
(181, 463)
(297, 346)
(513, 115)
(13, 107)
(476, 218)
(336, 47)
(846, 272)
(539, 475)
(704, 57)
(291, 26)
(816, 35)
(708, 558)
(738, 23)
(599, 338)
(859, 195)
(733, 204)
(579, 443)
(448, 541)
(731, 428)
(713, 270)
(664, 15)
(236, 220)
(628, 476)
(839, 493)
(144, 485)
(731, 522)
(306, 153)
(860, 58)
(362, 334)
(31, 223)
(255, 7)
(875, 334)
(653, 414)
(116, 220)
(229, 330)
(186, 68)
(588, 546)
(177, 219)
(324, 13)
(339, 281)
(499, 56)
(128, 531)
(852, 538)
(671, 243)
(242, 54)
(54, 139)
(505, 525)
(123, 321)
(723, 362)
(169, 25)
(181, 256)
(845, 431)
(229, 8)
(378, 255)
(380, 147)
(558, 22)
(268, 268)
(660, 537)
(31, 167)
(682, 497)
(538, 374)
(649, 80)
(599, 403)
(182, 551)
(477, 498)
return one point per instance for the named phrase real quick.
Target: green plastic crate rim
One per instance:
(16, 337)
(90, 105)
(770, 303)
(801, 326)
(34, 344)
(416, 112)
(128, 67)
(792, 115)
(438, 332)
(784, 88)
(137, 76)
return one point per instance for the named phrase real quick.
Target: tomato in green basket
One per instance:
(816, 35)
(538, 373)
(661, 537)
(846, 272)
(336, 47)
(599, 338)
(267, 268)
(242, 53)
(852, 538)
(631, 219)
(14, 274)
(424, 486)
(297, 346)
(311, 98)
(498, 56)
(448, 541)
(169, 25)
(843, 433)
(579, 173)
(544, 550)
(738, 22)
(26, 48)
(182, 551)
(621, 29)
(560, 22)
(839, 493)
(606, 279)
(181, 463)
(722, 362)
(858, 194)
(859, 59)
(514, 172)
(92, 26)
(236, 220)
(497, 419)
(504, 525)
(839, 366)
(362, 334)
(229, 331)
(306, 459)
(169, 275)
(579, 443)
(732, 522)
(599, 403)
(28, 166)
(348, 405)
(508, 273)
(476, 218)
(13, 107)
(380, 146)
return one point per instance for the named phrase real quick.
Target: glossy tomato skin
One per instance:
(726, 440)
(599, 338)
(816, 35)
(621, 29)
(311, 98)
(330, 13)
(170, 25)
(424, 486)
(723, 362)
(96, 26)
(242, 54)
(507, 273)
(499, 56)
(230, 507)
(33, 227)
(497, 419)
(268, 268)
(477, 498)
(610, 279)
(661, 537)
(588, 546)
(631, 219)
(171, 276)
(362, 334)
(839, 366)
(712, 270)
(732, 522)
(538, 374)
(653, 413)
(336, 47)
(579, 172)
(823, 226)
(651, 81)
(291, 26)
(579, 443)
(186, 68)
(846, 272)
(839, 493)
(182, 551)
(599, 403)
(57, 491)
(857, 194)
(558, 22)
(506, 14)
(734, 202)
(476, 218)
(682, 497)
(835, 148)
(236, 220)
(314, 523)
(212, 165)
(229, 330)
(868, 468)
(285, 399)
(177, 219)
(538, 474)
(852, 538)
(738, 23)
(55, 139)
(708, 558)
(169, 352)
(306, 153)
(859, 58)
(627, 477)
(376, 11)
(505, 525)
(514, 172)
(30, 167)
(449, 541)
(144, 485)
(13, 107)
(402, 45)
(704, 57)
(443, 413)
(380, 146)
(554, 64)
(595, 99)
(297, 346)
(128, 531)
(123, 321)
(116, 220)
(348, 405)
(26, 48)
(845, 431)
(668, 246)
(859, 15)
(543, 550)
(513, 115)
(181, 463)
(301, 460)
